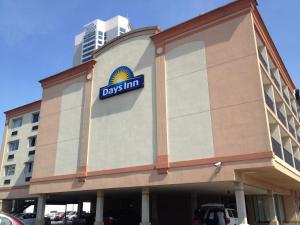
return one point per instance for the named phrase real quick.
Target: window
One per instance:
(32, 141)
(87, 54)
(35, 127)
(16, 123)
(10, 170)
(28, 167)
(88, 49)
(13, 145)
(10, 157)
(122, 30)
(14, 133)
(31, 153)
(87, 59)
(88, 44)
(27, 179)
(35, 117)
(261, 209)
(6, 181)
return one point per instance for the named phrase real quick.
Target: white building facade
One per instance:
(96, 34)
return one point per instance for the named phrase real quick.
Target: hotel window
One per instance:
(10, 170)
(6, 182)
(32, 141)
(28, 167)
(261, 209)
(35, 117)
(16, 123)
(13, 145)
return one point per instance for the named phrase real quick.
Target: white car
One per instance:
(216, 214)
(52, 214)
(71, 215)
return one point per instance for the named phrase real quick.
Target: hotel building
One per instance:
(95, 35)
(160, 122)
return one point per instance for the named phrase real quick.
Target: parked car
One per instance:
(7, 219)
(215, 214)
(52, 214)
(59, 216)
(89, 219)
(71, 215)
(29, 218)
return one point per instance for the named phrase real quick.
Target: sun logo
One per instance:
(120, 74)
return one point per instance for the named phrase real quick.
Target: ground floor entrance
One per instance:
(174, 205)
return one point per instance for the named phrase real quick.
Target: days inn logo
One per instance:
(121, 80)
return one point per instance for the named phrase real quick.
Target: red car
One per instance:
(7, 219)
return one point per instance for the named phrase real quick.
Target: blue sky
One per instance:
(37, 36)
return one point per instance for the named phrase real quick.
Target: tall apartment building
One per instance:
(160, 122)
(95, 34)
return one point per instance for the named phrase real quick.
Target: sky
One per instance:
(37, 36)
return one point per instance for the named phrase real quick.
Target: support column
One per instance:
(194, 204)
(240, 203)
(99, 208)
(145, 207)
(271, 203)
(79, 208)
(40, 210)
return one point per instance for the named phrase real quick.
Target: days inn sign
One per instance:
(121, 80)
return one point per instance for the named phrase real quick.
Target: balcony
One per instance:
(281, 117)
(275, 80)
(292, 130)
(294, 111)
(288, 157)
(263, 61)
(276, 148)
(269, 102)
(297, 164)
(286, 98)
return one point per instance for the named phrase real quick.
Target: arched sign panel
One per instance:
(121, 80)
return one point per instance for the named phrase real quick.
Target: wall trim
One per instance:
(150, 167)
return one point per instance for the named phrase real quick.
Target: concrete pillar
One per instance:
(13, 208)
(99, 208)
(79, 208)
(145, 207)
(271, 203)
(5, 205)
(40, 210)
(154, 209)
(194, 203)
(35, 206)
(240, 203)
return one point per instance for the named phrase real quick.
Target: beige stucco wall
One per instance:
(60, 123)
(189, 119)
(20, 155)
(123, 130)
(238, 117)
(68, 145)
